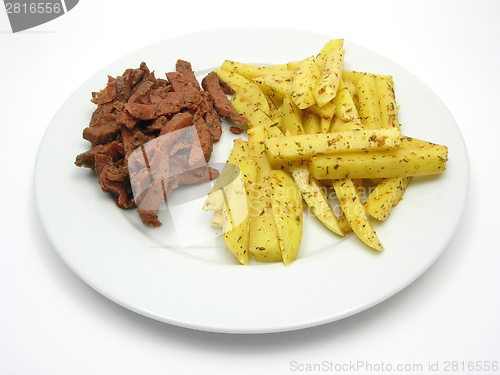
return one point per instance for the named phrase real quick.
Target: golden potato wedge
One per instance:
(215, 199)
(251, 71)
(237, 208)
(217, 220)
(354, 76)
(246, 88)
(311, 121)
(292, 117)
(355, 213)
(264, 242)
(276, 86)
(304, 81)
(327, 85)
(345, 108)
(235, 221)
(388, 164)
(305, 146)
(322, 56)
(286, 203)
(368, 102)
(255, 116)
(386, 195)
(387, 100)
(326, 111)
(314, 195)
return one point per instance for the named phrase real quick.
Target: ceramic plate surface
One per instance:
(181, 273)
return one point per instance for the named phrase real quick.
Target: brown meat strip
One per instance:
(211, 84)
(102, 109)
(128, 80)
(125, 118)
(179, 82)
(104, 165)
(104, 130)
(185, 68)
(210, 116)
(149, 205)
(204, 137)
(140, 93)
(173, 102)
(87, 159)
(106, 95)
(178, 121)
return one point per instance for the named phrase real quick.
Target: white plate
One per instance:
(152, 272)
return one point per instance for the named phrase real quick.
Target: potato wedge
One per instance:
(314, 195)
(345, 108)
(235, 214)
(388, 164)
(286, 203)
(264, 243)
(311, 121)
(304, 81)
(252, 71)
(325, 125)
(276, 86)
(237, 209)
(368, 102)
(217, 220)
(354, 76)
(322, 56)
(215, 199)
(386, 195)
(339, 125)
(343, 223)
(387, 100)
(326, 111)
(350, 86)
(255, 116)
(246, 88)
(355, 213)
(327, 85)
(304, 146)
(292, 65)
(292, 117)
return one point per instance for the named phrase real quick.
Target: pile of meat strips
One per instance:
(136, 108)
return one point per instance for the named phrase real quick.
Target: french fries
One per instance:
(313, 123)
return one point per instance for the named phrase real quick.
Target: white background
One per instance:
(51, 322)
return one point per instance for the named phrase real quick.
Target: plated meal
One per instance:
(311, 125)
(183, 272)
